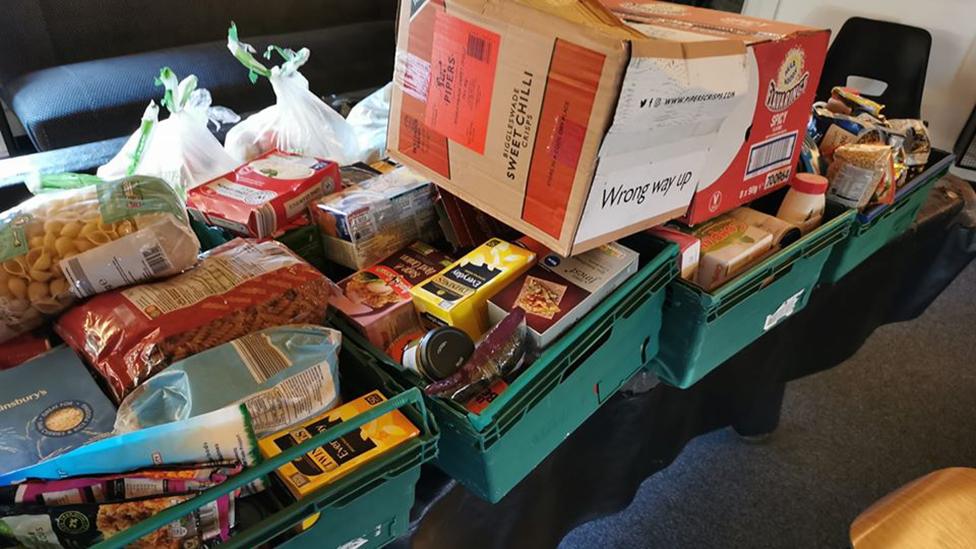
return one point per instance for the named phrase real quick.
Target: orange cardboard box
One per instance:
(558, 118)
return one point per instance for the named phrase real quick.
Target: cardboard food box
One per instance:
(557, 118)
(729, 246)
(689, 248)
(376, 300)
(558, 291)
(759, 142)
(367, 222)
(327, 463)
(458, 295)
(264, 196)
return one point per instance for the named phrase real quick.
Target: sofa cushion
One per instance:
(94, 100)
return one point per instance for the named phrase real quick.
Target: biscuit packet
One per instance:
(861, 174)
(85, 524)
(60, 247)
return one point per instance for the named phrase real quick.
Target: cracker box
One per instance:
(558, 291)
(327, 463)
(759, 142)
(458, 295)
(264, 196)
(376, 300)
(557, 118)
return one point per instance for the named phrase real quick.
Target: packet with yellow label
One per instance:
(331, 461)
(458, 295)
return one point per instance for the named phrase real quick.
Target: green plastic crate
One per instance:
(490, 452)
(371, 503)
(702, 329)
(875, 228)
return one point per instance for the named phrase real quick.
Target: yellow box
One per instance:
(458, 295)
(331, 461)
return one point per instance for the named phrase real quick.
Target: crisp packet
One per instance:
(283, 375)
(218, 436)
(853, 100)
(121, 487)
(917, 144)
(83, 525)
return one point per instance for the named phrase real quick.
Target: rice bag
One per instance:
(216, 437)
(860, 175)
(156, 481)
(180, 150)
(84, 525)
(62, 246)
(299, 122)
(239, 287)
(282, 375)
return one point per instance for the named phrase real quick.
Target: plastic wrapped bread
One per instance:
(59, 247)
(239, 287)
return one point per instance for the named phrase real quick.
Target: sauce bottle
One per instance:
(804, 202)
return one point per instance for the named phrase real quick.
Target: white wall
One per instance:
(950, 85)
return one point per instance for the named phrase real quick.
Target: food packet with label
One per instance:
(129, 335)
(85, 524)
(63, 246)
(861, 175)
(283, 375)
(299, 122)
(154, 481)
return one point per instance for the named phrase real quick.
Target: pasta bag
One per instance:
(180, 150)
(299, 122)
(62, 246)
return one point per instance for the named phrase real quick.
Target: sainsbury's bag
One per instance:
(299, 122)
(180, 150)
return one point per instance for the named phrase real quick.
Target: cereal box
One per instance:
(377, 300)
(265, 195)
(331, 461)
(458, 295)
(558, 291)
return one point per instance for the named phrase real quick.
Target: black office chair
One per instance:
(890, 52)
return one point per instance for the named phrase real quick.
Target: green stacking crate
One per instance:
(367, 508)
(490, 452)
(702, 329)
(875, 228)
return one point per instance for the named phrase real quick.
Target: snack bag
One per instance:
(283, 375)
(299, 122)
(239, 287)
(860, 175)
(63, 246)
(180, 150)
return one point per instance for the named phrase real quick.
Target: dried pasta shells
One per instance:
(18, 287)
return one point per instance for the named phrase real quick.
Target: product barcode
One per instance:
(261, 357)
(477, 47)
(209, 520)
(771, 154)
(80, 284)
(265, 218)
(156, 259)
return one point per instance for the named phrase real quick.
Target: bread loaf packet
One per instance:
(63, 246)
(239, 287)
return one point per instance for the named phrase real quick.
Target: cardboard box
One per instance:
(557, 118)
(458, 295)
(758, 144)
(689, 248)
(558, 291)
(327, 463)
(376, 300)
(264, 196)
(729, 246)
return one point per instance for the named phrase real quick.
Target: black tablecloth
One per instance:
(598, 469)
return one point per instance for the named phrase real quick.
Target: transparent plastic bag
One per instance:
(62, 246)
(299, 122)
(180, 150)
(369, 119)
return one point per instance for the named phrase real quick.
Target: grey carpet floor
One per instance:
(903, 406)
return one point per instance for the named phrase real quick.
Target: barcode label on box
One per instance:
(261, 357)
(477, 47)
(770, 154)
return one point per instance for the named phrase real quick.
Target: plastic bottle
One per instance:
(804, 202)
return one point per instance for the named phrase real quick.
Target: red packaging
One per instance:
(466, 226)
(758, 144)
(23, 348)
(242, 286)
(265, 195)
